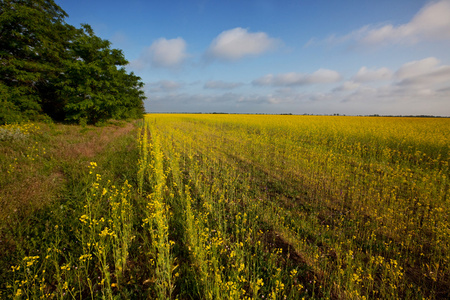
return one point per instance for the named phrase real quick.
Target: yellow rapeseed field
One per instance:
(239, 207)
(363, 201)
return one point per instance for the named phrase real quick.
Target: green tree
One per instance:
(48, 67)
(130, 96)
(95, 88)
(32, 35)
(9, 113)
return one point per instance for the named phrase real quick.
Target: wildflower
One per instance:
(30, 260)
(15, 268)
(105, 232)
(241, 268)
(293, 273)
(84, 218)
(66, 267)
(85, 257)
(259, 282)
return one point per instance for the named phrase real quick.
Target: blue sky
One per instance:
(281, 56)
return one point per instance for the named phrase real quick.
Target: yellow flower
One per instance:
(85, 256)
(84, 219)
(259, 282)
(241, 268)
(293, 272)
(66, 267)
(105, 232)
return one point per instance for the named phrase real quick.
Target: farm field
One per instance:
(218, 206)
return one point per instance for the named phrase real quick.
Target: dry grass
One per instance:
(73, 143)
(31, 194)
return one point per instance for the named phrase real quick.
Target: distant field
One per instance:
(237, 207)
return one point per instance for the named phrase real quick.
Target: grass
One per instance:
(42, 195)
(227, 207)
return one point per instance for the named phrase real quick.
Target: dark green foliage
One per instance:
(48, 67)
(9, 112)
(95, 88)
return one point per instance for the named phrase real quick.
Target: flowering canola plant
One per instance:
(257, 207)
(359, 199)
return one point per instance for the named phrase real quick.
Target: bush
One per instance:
(14, 132)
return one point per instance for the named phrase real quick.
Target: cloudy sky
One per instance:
(281, 56)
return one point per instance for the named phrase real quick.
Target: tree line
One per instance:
(50, 69)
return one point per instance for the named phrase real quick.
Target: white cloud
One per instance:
(347, 86)
(294, 79)
(163, 86)
(427, 73)
(419, 87)
(163, 53)
(323, 76)
(234, 44)
(417, 68)
(221, 85)
(226, 102)
(388, 34)
(420, 77)
(389, 99)
(365, 75)
(168, 53)
(431, 23)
